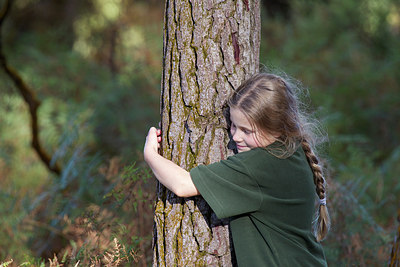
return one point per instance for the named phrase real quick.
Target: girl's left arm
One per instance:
(172, 176)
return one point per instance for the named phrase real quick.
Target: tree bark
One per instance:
(210, 47)
(395, 254)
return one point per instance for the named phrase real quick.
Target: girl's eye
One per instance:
(245, 131)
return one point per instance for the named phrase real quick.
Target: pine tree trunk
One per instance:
(210, 47)
(395, 255)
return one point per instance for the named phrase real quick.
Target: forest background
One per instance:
(95, 66)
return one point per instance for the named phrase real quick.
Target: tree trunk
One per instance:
(210, 47)
(395, 255)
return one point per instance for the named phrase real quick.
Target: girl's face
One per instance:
(244, 135)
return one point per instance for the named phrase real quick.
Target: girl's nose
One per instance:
(235, 136)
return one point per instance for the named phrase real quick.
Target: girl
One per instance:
(267, 188)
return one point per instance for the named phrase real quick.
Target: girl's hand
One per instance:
(152, 144)
(175, 178)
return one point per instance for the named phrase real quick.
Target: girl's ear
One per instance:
(277, 135)
(272, 135)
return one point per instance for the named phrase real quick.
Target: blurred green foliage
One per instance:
(96, 67)
(95, 110)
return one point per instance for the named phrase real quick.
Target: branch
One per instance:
(29, 97)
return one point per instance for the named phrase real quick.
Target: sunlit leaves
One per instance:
(106, 13)
(375, 13)
(133, 37)
(393, 18)
(111, 9)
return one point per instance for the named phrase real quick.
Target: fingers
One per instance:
(152, 144)
(152, 130)
(157, 132)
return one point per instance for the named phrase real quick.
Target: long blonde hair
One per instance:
(271, 104)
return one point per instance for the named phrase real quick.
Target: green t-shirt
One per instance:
(271, 205)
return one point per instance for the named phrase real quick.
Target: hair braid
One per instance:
(323, 222)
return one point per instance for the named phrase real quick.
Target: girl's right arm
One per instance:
(172, 176)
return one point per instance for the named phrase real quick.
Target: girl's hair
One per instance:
(271, 104)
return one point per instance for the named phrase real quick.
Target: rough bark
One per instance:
(210, 47)
(395, 254)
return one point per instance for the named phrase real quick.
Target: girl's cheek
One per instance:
(255, 140)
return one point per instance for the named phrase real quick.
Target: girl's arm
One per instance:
(175, 178)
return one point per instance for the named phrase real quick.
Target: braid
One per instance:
(323, 221)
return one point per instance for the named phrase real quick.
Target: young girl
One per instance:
(268, 187)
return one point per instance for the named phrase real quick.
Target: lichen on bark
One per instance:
(200, 72)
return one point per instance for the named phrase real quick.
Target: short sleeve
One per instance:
(228, 187)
